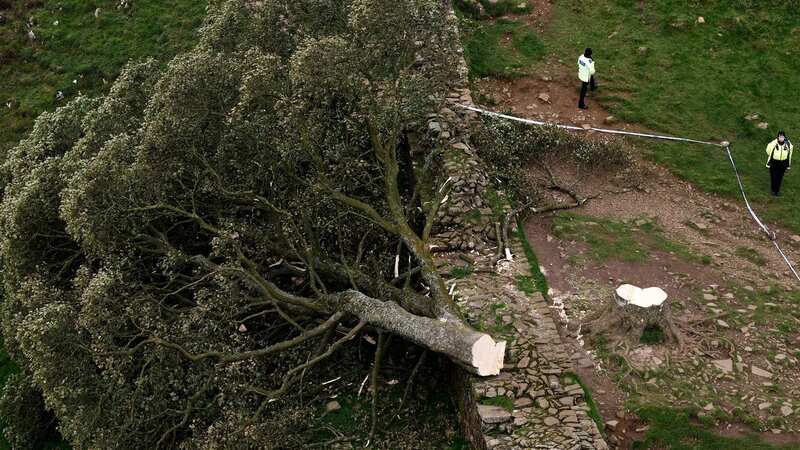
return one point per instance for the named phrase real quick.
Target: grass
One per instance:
(606, 239)
(697, 80)
(625, 241)
(594, 411)
(652, 334)
(536, 278)
(493, 8)
(462, 271)
(675, 430)
(751, 255)
(81, 53)
(502, 48)
(501, 401)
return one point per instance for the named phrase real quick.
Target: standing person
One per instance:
(586, 75)
(779, 159)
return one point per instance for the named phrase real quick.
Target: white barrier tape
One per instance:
(744, 195)
(788, 263)
(771, 235)
(574, 128)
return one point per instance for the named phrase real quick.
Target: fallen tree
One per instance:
(181, 252)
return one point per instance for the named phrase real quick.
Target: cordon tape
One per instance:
(726, 145)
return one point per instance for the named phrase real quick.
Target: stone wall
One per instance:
(535, 402)
(464, 220)
(532, 403)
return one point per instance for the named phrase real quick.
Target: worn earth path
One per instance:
(735, 294)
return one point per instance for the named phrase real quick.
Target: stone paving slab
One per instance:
(549, 411)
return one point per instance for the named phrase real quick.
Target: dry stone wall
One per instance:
(534, 402)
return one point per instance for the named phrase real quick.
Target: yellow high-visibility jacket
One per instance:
(585, 68)
(779, 152)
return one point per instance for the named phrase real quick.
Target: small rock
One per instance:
(722, 323)
(643, 51)
(612, 425)
(760, 372)
(493, 414)
(522, 402)
(764, 405)
(795, 239)
(610, 120)
(333, 406)
(242, 328)
(725, 365)
(545, 98)
(785, 410)
(709, 407)
(551, 421)
(97, 13)
(751, 117)
(709, 297)
(701, 20)
(763, 125)
(524, 363)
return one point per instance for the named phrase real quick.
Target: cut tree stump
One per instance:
(632, 311)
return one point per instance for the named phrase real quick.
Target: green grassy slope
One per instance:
(78, 52)
(659, 67)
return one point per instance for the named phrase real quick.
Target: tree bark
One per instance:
(633, 310)
(476, 352)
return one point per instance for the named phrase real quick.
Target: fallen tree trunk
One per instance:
(475, 351)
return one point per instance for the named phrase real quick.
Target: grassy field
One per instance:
(499, 47)
(674, 429)
(79, 47)
(658, 65)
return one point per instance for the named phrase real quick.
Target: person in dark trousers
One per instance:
(586, 75)
(779, 160)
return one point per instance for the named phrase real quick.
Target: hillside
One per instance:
(710, 71)
(52, 51)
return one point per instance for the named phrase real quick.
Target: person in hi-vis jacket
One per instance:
(586, 75)
(779, 160)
